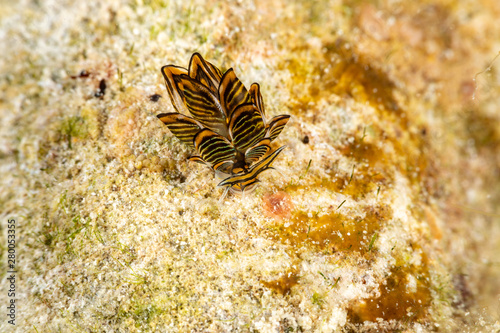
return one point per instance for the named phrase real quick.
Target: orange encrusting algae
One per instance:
(334, 231)
(405, 295)
(284, 283)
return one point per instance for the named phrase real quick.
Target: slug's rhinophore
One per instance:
(222, 121)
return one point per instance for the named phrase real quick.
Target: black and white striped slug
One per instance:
(223, 121)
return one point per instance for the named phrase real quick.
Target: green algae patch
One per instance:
(335, 231)
(73, 129)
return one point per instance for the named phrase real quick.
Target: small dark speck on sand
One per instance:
(102, 89)
(83, 73)
(154, 98)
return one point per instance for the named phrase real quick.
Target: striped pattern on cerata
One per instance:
(257, 99)
(254, 153)
(213, 147)
(246, 127)
(183, 127)
(247, 178)
(203, 105)
(276, 126)
(205, 73)
(223, 121)
(232, 92)
(172, 76)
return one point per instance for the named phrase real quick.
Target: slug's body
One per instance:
(222, 121)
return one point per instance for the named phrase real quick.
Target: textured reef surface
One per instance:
(383, 213)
